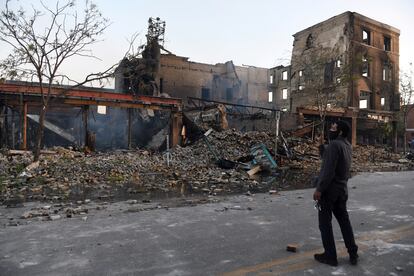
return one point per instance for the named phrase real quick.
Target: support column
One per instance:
(277, 118)
(130, 110)
(6, 127)
(85, 110)
(13, 134)
(2, 124)
(394, 136)
(21, 123)
(176, 125)
(23, 145)
(354, 131)
(301, 119)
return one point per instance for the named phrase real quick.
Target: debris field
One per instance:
(69, 175)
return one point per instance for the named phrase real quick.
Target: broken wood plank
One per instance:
(254, 170)
(18, 152)
(48, 152)
(32, 166)
(54, 128)
(24, 152)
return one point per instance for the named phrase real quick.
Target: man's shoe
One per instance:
(353, 259)
(322, 258)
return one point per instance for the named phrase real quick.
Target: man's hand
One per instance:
(317, 195)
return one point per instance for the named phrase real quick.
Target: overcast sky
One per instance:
(257, 33)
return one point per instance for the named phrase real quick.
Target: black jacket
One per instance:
(335, 171)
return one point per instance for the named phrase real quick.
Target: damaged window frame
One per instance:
(338, 63)
(386, 72)
(271, 79)
(205, 93)
(365, 72)
(363, 103)
(366, 36)
(382, 101)
(270, 96)
(284, 93)
(328, 75)
(309, 41)
(365, 97)
(300, 73)
(285, 75)
(387, 43)
(301, 87)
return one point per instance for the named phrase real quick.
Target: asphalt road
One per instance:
(240, 235)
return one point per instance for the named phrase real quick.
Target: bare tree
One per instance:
(406, 99)
(44, 40)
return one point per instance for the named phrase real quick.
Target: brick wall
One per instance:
(223, 81)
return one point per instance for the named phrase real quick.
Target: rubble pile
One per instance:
(371, 158)
(67, 174)
(230, 144)
(305, 147)
(365, 158)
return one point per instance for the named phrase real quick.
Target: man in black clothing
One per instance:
(332, 193)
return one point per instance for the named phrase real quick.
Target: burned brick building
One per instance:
(158, 72)
(347, 67)
(202, 87)
(180, 78)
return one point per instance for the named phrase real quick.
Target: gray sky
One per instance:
(255, 33)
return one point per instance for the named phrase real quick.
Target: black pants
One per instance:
(337, 206)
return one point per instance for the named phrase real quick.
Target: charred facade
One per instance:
(354, 61)
(180, 78)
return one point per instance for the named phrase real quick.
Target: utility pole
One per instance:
(277, 114)
(167, 154)
(85, 110)
(130, 110)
